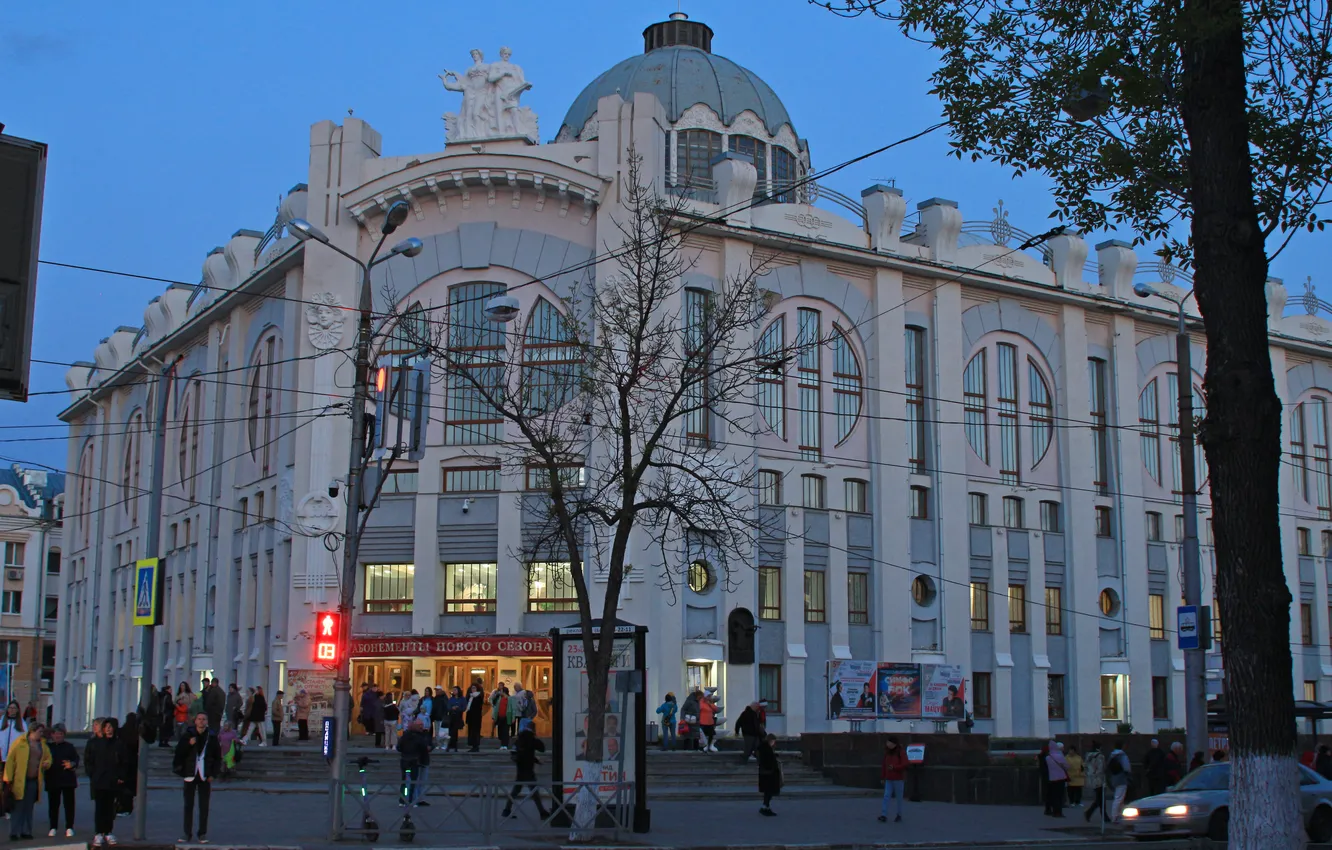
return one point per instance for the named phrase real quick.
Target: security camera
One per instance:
(467, 505)
(333, 488)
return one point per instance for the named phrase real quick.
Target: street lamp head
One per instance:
(1144, 290)
(408, 247)
(502, 309)
(396, 215)
(302, 229)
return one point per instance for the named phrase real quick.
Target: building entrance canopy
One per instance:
(521, 646)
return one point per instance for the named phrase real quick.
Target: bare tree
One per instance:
(629, 408)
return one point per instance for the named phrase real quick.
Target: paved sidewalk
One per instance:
(256, 819)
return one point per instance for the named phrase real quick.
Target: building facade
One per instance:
(980, 468)
(32, 503)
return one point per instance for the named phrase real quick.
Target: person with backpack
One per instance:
(668, 711)
(1118, 772)
(1095, 767)
(198, 761)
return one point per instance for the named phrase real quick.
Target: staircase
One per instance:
(671, 775)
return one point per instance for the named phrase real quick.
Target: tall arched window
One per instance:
(84, 505)
(262, 403)
(411, 333)
(129, 481)
(1309, 429)
(476, 349)
(695, 151)
(1161, 395)
(821, 346)
(550, 359)
(1021, 400)
(188, 453)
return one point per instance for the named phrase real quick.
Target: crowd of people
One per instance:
(231, 715)
(444, 714)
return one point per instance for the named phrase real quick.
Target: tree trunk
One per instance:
(1242, 432)
(586, 797)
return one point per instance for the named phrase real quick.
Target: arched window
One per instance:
(785, 173)
(695, 151)
(411, 333)
(84, 505)
(262, 403)
(820, 346)
(476, 352)
(1161, 395)
(1021, 400)
(550, 359)
(129, 480)
(757, 151)
(188, 453)
(1309, 451)
(698, 342)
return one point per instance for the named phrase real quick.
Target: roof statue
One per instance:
(490, 107)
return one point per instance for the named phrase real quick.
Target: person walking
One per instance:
(689, 714)
(415, 746)
(302, 702)
(392, 716)
(372, 714)
(198, 761)
(1118, 772)
(748, 728)
(129, 746)
(1095, 765)
(525, 757)
(668, 711)
(457, 707)
(1077, 775)
(472, 712)
(103, 761)
(893, 772)
(1153, 765)
(26, 764)
(166, 710)
(1058, 768)
(215, 705)
(258, 718)
(770, 774)
(707, 721)
(12, 728)
(62, 778)
(235, 706)
(499, 715)
(276, 715)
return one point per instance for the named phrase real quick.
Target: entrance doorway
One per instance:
(390, 676)
(463, 673)
(537, 679)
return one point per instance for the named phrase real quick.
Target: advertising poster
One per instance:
(899, 691)
(617, 764)
(318, 685)
(945, 692)
(851, 690)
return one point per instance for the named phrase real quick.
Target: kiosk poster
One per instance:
(945, 692)
(851, 690)
(617, 763)
(899, 691)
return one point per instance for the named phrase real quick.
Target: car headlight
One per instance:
(1129, 812)
(1177, 810)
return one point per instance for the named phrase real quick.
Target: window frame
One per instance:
(1052, 517)
(403, 604)
(1306, 624)
(454, 602)
(11, 602)
(1303, 541)
(1160, 697)
(1054, 610)
(982, 695)
(1017, 609)
(858, 616)
(816, 585)
(1015, 513)
(485, 474)
(1156, 626)
(919, 502)
(1056, 697)
(550, 603)
(1113, 710)
(769, 589)
(978, 506)
(980, 606)
(1154, 530)
(856, 494)
(774, 702)
(468, 419)
(1105, 521)
(769, 483)
(915, 378)
(819, 493)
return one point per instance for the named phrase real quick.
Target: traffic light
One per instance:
(401, 395)
(328, 637)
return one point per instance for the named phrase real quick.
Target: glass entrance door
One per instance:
(537, 679)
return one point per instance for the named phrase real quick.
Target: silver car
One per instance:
(1200, 805)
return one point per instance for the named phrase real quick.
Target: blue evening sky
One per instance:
(172, 127)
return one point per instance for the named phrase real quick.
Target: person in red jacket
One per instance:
(894, 778)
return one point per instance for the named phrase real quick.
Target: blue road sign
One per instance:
(1186, 619)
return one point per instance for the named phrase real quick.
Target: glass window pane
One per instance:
(975, 401)
(815, 601)
(389, 588)
(809, 384)
(1007, 404)
(476, 345)
(770, 593)
(915, 398)
(469, 588)
(858, 598)
(847, 393)
(771, 390)
(550, 586)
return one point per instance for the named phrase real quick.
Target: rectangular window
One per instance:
(48, 666)
(259, 506)
(1017, 608)
(1304, 540)
(696, 399)
(915, 399)
(770, 593)
(14, 554)
(770, 687)
(815, 604)
(1299, 460)
(9, 652)
(1104, 524)
(857, 595)
(1054, 610)
(1055, 689)
(770, 389)
(1109, 697)
(696, 149)
(980, 606)
(814, 491)
(857, 496)
(1051, 518)
(1326, 540)
(978, 509)
(11, 602)
(52, 608)
(1322, 495)
(757, 151)
(1216, 621)
(1311, 690)
(769, 487)
(244, 511)
(469, 588)
(476, 349)
(1179, 528)
(1100, 438)
(471, 479)
(571, 477)
(1010, 461)
(1013, 513)
(809, 383)
(402, 481)
(1156, 616)
(53, 561)
(1306, 624)
(920, 503)
(389, 588)
(550, 586)
(785, 173)
(1160, 698)
(981, 699)
(1153, 527)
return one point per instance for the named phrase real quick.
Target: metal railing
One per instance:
(381, 811)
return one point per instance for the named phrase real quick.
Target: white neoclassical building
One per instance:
(979, 470)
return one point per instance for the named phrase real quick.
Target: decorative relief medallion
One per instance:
(325, 318)
(317, 514)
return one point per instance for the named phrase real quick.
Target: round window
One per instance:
(922, 590)
(700, 576)
(1109, 602)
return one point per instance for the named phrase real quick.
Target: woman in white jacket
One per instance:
(12, 728)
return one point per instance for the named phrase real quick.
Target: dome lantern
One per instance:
(679, 31)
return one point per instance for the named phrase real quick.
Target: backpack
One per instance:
(1115, 767)
(529, 707)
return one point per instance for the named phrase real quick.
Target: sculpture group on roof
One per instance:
(490, 107)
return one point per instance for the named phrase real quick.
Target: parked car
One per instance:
(1200, 805)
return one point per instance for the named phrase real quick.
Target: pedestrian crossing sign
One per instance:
(147, 579)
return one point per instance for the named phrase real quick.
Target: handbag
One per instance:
(7, 798)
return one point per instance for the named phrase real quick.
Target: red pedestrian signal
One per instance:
(328, 637)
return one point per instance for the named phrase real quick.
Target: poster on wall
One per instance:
(898, 691)
(318, 685)
(945, 692)
(618, 762)
(851, 690)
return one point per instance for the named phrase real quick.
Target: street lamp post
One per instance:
(393, 218)
(1195, 665)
